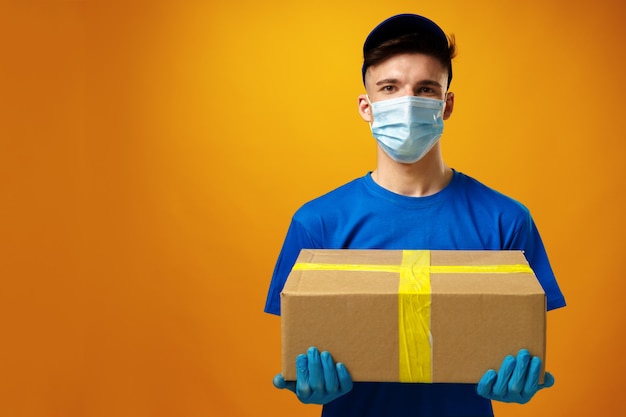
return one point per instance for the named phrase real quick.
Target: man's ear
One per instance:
(447, 111)
(365, 109)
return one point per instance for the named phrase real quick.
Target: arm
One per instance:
(296, 239)
(318, 379)
(529, 240)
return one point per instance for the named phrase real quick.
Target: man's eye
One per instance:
(429, 91)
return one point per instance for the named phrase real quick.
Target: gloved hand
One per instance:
(318, 379)
(516, 381)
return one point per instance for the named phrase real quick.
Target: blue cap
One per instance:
(403, 24)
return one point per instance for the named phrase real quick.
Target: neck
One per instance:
(426, 177)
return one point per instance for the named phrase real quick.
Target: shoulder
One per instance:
(480, 194)
(336, 200)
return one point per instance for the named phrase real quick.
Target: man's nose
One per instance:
(409, 91)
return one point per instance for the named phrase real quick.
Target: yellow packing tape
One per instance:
(437, 269)
(414, 298)
(414, 335)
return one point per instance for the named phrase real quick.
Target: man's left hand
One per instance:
(517, 380)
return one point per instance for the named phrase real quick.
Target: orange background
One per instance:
(152, 153)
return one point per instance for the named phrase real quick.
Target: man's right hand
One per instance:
(318, 379)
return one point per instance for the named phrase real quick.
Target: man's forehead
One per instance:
(407, 69)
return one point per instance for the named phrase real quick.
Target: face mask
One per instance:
(406, 128)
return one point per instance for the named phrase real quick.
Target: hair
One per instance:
(414, 43)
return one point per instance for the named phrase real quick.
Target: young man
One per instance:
(412, 200)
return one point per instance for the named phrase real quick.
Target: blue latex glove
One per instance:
(318, 379)
(516, 381)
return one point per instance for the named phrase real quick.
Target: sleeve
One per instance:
(529, 240)
(297, 238)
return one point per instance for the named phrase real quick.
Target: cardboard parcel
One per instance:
(412, 316)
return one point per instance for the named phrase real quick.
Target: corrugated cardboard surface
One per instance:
(476, 318)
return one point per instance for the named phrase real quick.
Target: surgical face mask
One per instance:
(406, 128)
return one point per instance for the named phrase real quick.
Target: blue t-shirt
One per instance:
(465, 215)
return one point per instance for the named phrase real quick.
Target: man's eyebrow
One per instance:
(430, 82)
(395, 81)
(388, 81)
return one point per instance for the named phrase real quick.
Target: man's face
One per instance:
(409, 74)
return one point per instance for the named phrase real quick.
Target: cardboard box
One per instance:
(412, 316)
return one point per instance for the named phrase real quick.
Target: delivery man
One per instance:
(411, 200)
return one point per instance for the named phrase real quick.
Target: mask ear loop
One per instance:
(371, 111)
